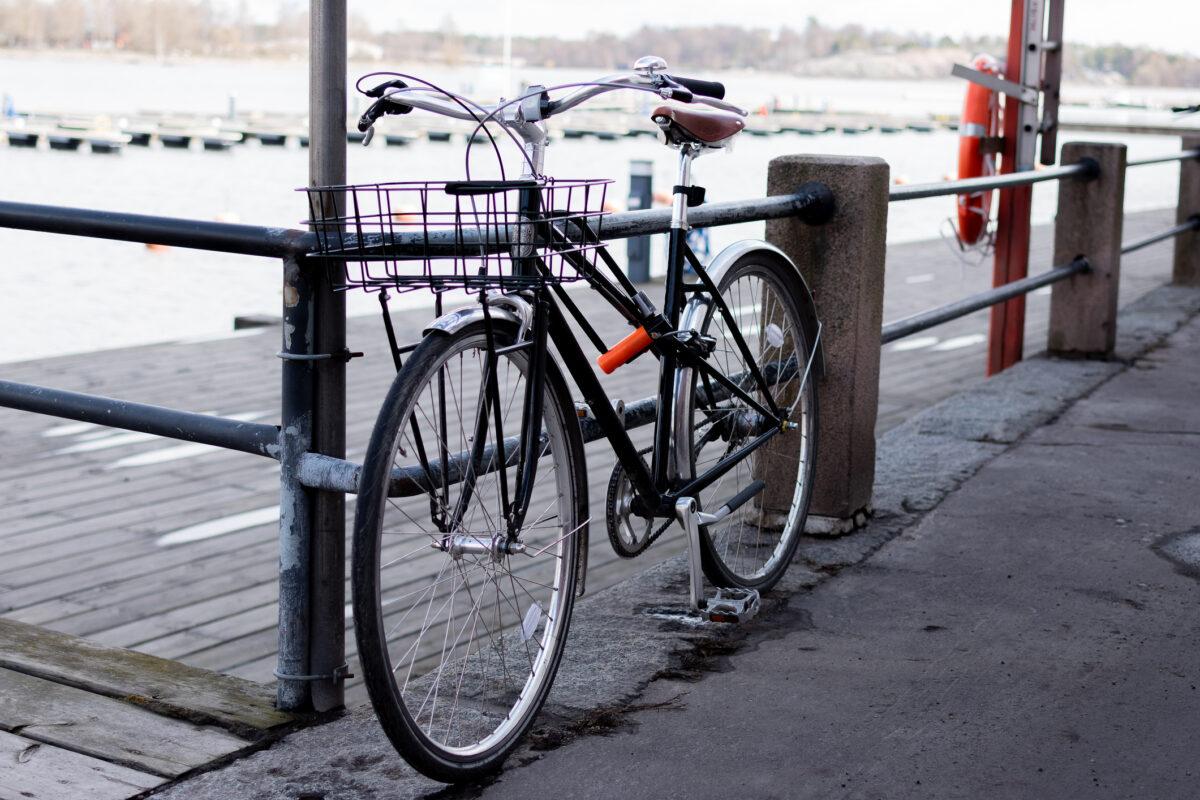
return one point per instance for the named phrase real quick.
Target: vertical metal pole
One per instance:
(641, 177)
(327, 166)
(1051, 81)
(295, 501)
(1007, 331)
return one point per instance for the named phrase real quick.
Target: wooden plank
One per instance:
(117, 602)
(220, 610)
(108, 729)
(166, 687)
(31, 770)
(148, 563)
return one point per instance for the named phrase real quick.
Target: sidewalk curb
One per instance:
(613, 654)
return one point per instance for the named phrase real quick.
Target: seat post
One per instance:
(687, 152)
(672, 307)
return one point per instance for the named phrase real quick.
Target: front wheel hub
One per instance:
(497, 545)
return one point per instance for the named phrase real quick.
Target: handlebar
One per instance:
(395, 94)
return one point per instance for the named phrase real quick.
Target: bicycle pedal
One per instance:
(732, 605)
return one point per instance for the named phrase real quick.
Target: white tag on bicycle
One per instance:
(532, 617)
(774, 335)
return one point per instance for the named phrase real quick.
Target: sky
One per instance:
(1172, 25)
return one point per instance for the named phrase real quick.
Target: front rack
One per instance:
(468, 235)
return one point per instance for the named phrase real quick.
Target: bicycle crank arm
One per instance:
(733, 504)
(685, 512)
(728, 604)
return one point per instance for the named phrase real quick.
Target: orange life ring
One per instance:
(980, 119)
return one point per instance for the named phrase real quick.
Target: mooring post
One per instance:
(842, 262)
(295, 501)
(327, 166)
(641, 195)
(1187, 245)
(1083, 308)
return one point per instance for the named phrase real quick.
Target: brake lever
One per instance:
(680, 93)
(722, 105)
(384, 105)
(670, 90)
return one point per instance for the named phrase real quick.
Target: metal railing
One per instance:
(977, 302)
(1086, 169)
(920, 191)
(303, 472)
(1191, 224)
(1182, 155)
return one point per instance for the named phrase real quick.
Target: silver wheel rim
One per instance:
(751, 542)
(471, 641)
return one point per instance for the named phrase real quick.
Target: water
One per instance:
(64, 294)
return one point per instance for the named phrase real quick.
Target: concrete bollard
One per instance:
(1187, 245)
(1083, 308)
(842, 261)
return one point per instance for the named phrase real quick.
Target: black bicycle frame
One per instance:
(655, 486)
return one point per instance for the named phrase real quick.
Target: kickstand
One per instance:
(685, 510)
(728, 604)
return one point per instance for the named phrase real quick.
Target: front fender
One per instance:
(505, 307)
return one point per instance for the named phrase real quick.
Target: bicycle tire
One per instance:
(411, 728)
(773, 525)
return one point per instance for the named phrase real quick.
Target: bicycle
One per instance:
(471, 528)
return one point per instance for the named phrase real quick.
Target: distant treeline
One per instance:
(200, 27)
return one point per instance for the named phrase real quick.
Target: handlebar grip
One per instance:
(625, 351)
(703, 88)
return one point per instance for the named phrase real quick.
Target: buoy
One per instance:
(980, 120)
(407, 217)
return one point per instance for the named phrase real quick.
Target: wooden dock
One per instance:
(167, 548)
(80, 720)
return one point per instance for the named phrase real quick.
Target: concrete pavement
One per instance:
(1037, 635)
(1020, 619)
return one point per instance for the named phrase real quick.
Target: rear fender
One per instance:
(693, 315)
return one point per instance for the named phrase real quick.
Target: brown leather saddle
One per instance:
(708, 126)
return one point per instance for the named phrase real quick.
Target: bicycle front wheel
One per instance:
(459, 631)
(752, 547)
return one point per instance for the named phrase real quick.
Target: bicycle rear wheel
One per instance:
(459, 633)
(752, 547)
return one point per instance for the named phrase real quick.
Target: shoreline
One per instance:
(854, 67)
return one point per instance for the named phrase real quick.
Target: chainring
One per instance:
(628, 533)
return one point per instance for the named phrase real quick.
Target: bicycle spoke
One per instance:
(470, 629)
